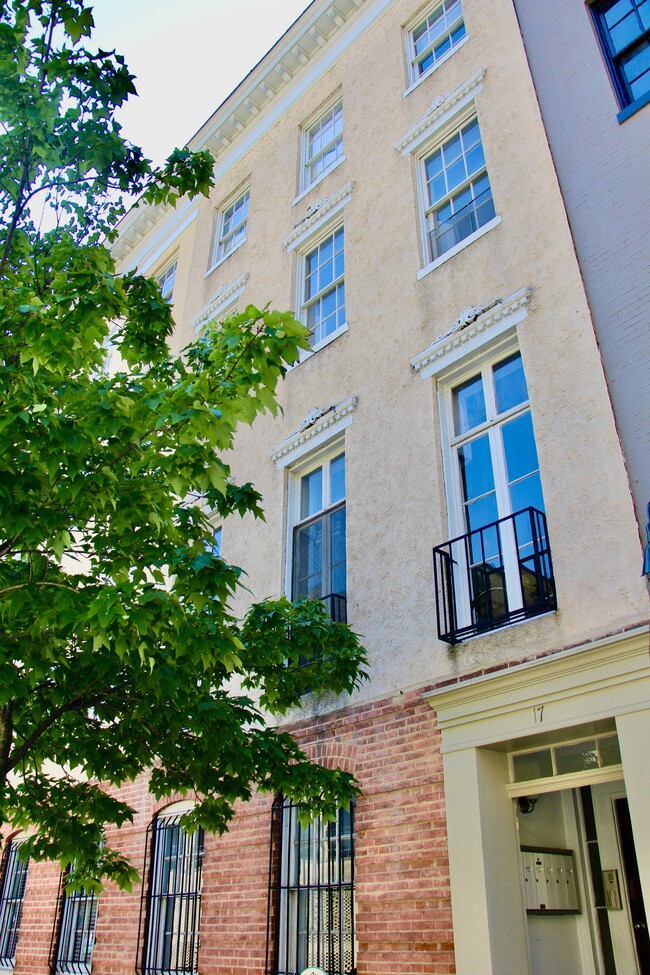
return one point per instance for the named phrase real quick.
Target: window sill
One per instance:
(321, 345)
(322, 176)
(225, 257)
(434, 67)
(633, 107)
(457, 248)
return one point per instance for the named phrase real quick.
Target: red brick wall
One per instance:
(403, 916)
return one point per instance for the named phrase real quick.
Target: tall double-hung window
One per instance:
(434, 37)
(232, 227)
(313, 893)
(498, 568)
(12, 895)
(173, 909)
(458, 198)
(323, 297)
(624, 31)
(319, 560)
(322, 144)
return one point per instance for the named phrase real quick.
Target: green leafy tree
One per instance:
(118, 650)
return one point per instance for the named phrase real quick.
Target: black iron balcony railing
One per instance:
(493, 576)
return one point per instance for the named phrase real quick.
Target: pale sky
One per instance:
(187, 56)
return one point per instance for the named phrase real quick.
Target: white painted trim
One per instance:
(283, 92)
(592, 682)
(176, 809)
(436, 65)
(319, 426)
(308, 353)
(558, 783)
(172, 226)
(220, 300)
(457, 248)
(318, 217)
(326, 172)
(464, 339)
(442, 111)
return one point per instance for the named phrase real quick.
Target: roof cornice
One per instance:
(306, 40)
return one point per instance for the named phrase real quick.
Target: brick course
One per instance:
(403, 915)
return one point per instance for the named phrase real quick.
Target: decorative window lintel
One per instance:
(474, 326)
(441, 111)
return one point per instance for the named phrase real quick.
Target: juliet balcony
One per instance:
(495, 575)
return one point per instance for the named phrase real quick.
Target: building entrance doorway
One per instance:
(606, 932)
(619, 901)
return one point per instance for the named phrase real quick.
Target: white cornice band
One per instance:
(299, 48)
(440, 111)
(482, 322)
(318, 426)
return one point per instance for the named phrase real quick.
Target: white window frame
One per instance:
(166, 275)
(319, 457)
(415, 76)
(443, 136)
(225, 241)
(303, 304)
(310, 158)
(489, 355)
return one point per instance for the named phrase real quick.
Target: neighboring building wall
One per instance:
(603, 171)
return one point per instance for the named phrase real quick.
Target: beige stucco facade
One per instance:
(396, 498)
(412, 325)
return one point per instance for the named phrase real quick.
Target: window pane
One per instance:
(578, 757)
(311, 493)
(337, 479)
(476, 471)
(533, 765)
(519, 447)
(610, 752)
(308, 561)
(337, 528)
(469, 405)
(510, 383)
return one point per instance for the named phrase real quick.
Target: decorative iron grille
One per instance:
(494, 575)
(173, 908)
(74, 950)
(12, 894)
(311, 894)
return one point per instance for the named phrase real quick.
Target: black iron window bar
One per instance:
(12, 894)
(311, 894)
(76, 940)
(493, 576)
(173, 900)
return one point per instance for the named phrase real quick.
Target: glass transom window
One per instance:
(435, 36)
(323, 305)
(457, 188)
(323, 144)
(585, 755)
